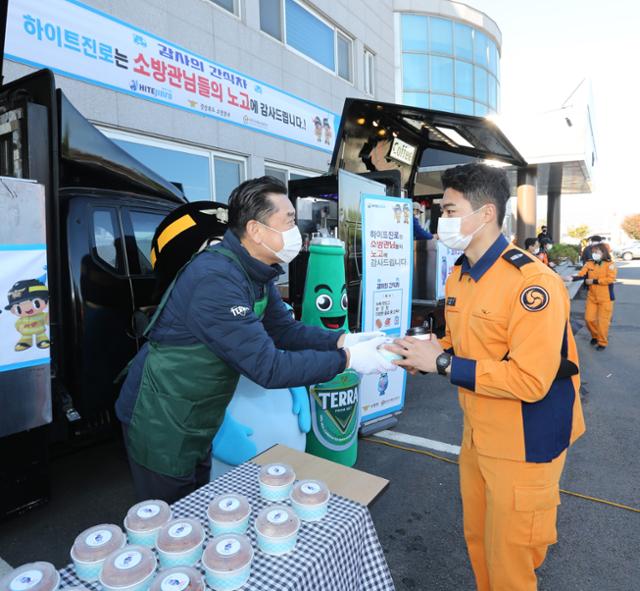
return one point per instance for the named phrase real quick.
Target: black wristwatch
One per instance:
(443, 361)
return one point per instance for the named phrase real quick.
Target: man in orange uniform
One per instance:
(509, 347)
(600, 273)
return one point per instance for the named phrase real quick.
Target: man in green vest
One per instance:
(221, 317)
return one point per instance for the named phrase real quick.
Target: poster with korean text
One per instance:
(387, 259)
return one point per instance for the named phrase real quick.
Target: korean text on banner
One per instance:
(387, 247)
(82, 42)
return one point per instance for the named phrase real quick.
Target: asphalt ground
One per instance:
(418, 518)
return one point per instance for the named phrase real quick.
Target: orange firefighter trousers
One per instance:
(597, 315)
(509, 514)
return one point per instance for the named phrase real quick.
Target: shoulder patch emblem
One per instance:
(534, 298)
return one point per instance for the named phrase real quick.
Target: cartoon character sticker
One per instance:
(405, 213)
(317, 128)
(328, 132)
(383, 383)
(28, 300)
(397, 212)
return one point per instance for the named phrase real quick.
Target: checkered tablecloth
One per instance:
(339, 553)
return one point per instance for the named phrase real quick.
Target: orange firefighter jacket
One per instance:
(514, 356)
(604, 275)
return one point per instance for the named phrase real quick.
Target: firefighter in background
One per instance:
(599, 275)
(28, 300)
(509, 348)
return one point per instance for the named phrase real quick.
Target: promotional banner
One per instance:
(387, 247)
(84, 43)
(446, 259)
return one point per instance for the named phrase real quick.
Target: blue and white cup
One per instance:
(180, 543)
(145, 520)
(227, 562)
(130, 569)
(92, 547)
(277, 528)
(229, 514)
(33, 576)
(276, 481)
(179, 578)
(310, 499)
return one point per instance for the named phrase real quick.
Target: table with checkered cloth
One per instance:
(339, 553)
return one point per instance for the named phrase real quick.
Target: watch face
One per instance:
(443, 361)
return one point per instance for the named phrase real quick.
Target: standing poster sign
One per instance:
(446, 260)
(387, 247)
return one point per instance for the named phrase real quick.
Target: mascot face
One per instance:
(325, 301)
(331, 305)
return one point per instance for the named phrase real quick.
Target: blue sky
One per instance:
(549, 46)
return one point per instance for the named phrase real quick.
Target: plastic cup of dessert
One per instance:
(145, 520)
(310, 499)
(179, 578)
(91, 548)
(131, 568)
(33, 576)
(227, 562)
(276, 481)
(277, 529)
(229, 514)
(180, 543)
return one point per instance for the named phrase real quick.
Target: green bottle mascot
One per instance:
(335, 405)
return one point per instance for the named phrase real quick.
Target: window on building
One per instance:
(464, 41)
(414, 33)
(464, 106)
(481, 110)
(441, 74)
(105, 238)
(229, 5)
(228, 175)
(415, 71)
(144, 226)
(481, 49)
(190, 171)
(310, 35)
(201, 174)
(278, 173)
(344, 56)
(442, 102)
(493, 93)
(481, 84)
(441, 35)
(271, 17)
(285, 174)
(368, 72)
(416, 99)
(464, 78)
(493, 58)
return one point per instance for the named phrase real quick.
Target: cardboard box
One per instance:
(347, 482)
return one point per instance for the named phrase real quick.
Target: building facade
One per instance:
(311, 55)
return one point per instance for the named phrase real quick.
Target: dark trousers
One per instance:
(153, 485)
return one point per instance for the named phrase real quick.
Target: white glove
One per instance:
(365, 359)
(353, 338)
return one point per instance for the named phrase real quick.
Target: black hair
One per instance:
(602, 247)
(595, 238)
(480, 184)
(250, 201)
(530, 242)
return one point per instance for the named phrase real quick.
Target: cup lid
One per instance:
(277, 474)
(97, 542)
(178, 578)
(417, 330)
(310, 492)
(180, 535)
(33, 576)
(128, 566)
(277, 521)
(228, 508)
(147, 515)
(227, 552)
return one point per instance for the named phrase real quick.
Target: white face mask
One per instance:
(450, 235)
(596, 256)
(292, 243)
